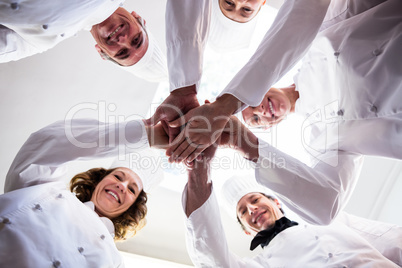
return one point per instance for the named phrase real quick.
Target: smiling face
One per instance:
(257, 212)
(275, 106)
(240, 10)
(121, 37)
(116, 192)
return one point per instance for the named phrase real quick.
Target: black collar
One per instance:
(265, 236)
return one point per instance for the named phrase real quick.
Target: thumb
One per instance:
(181, 120)
(153, 120)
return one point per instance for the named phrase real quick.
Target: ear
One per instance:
(264, 2)
(100, 51)
(247, 233)
(138, 17)
(277, 203)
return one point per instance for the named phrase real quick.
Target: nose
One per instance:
(259, 110)
(251, 209)
(123, 41)
(122, 186)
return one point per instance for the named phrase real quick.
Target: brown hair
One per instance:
(127, 224)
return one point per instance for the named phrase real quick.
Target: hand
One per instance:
(204, 126)
(238, 137)
(178, 103)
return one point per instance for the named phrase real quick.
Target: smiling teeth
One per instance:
(114, 32)
(270, 107)
(258, 218)
(114, 195)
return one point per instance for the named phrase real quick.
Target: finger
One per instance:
(154, 119)
(197, 152)
(173, 133)
(188, 151)
(207, 101)
(176, 143)
(181, 120)
(178, 151)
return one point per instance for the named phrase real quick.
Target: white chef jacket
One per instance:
(347, 114)
(42, 224)
(34, 26)
(300, 246)
(289, 38)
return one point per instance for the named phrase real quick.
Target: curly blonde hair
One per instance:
(127, 224)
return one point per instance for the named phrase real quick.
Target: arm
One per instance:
(318, 193)
(46, 150)
(205, 236)
(13, 47)
(295, 27)
(187, 27)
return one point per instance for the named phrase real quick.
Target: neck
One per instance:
(293, 96)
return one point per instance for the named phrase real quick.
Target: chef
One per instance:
(42, 224)
(289, 38)
(34, 26)
(226, 26)
(348, 89)
(286, 243)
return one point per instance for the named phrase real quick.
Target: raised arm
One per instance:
(48, 149)
(316, 193)
(205, 237)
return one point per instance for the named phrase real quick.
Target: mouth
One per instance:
(256, 219)
(271, 108)
(114, 33)
(114, 195)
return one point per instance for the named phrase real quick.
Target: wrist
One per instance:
(227, 104)
(184, 91)
(248, 146)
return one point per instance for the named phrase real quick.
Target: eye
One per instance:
(131, 190)
(247, 10)
(118, 177)
(229, 3)
(256, 119)
(255, 200)
(121, 53)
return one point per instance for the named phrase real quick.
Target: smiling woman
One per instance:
(124, 204)
(106, 204)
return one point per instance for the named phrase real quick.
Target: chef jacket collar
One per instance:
(106, 221)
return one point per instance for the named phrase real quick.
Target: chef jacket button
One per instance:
(38, 207)
(121, 4)
(376, 52)
(6, 221)
(60, 196)
(373, 109)
(15, 6)
(102, 237)
(316, 237)
(330, 255)
(56, 264)
(62, 35)
(336, 53)
(45, 26)
(344, 266)
(80, 249)
(340, 112)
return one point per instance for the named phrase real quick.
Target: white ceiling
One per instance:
(41, 89)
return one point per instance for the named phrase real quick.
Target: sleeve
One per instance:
(187, 27)
(206, 241)
(42, 156)
(13, 47)
(290, 36)
(318, 193)
(385, 237)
